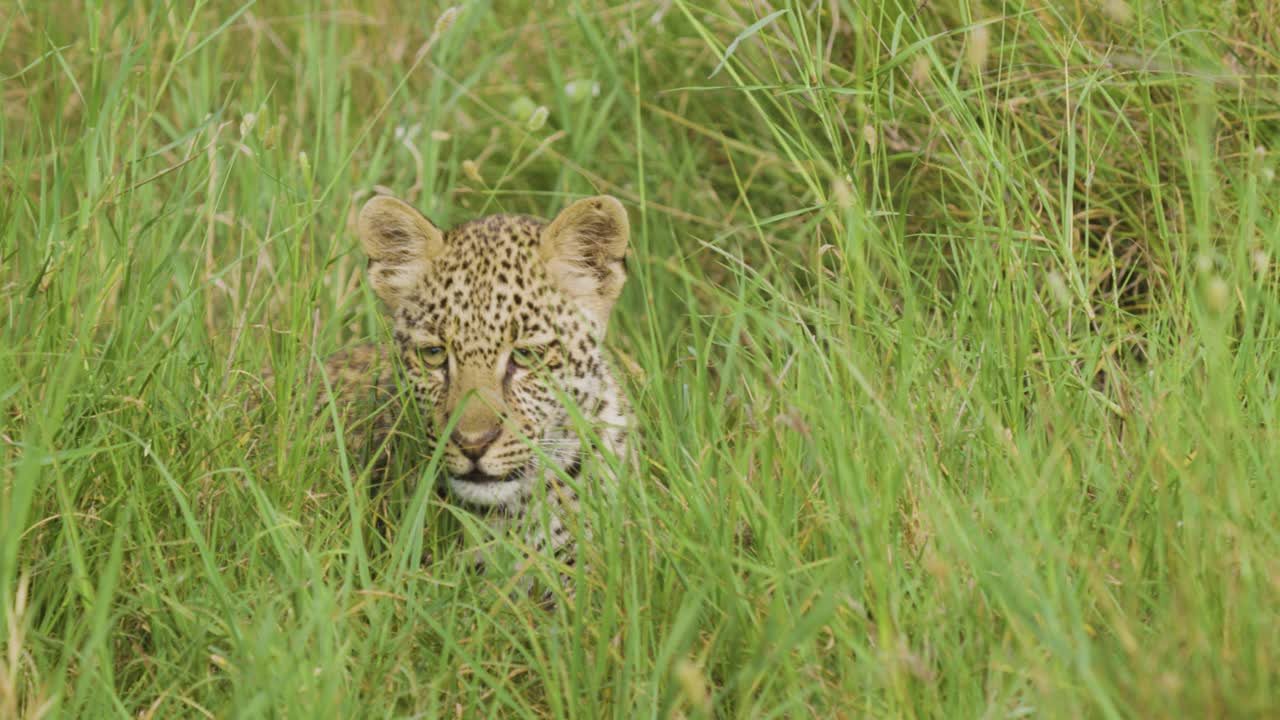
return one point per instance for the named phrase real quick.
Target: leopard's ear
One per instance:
(400, 243)
(583, 250)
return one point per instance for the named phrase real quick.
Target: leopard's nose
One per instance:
(474, 444)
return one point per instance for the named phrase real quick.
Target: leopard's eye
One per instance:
(433, 356)
(526, 358)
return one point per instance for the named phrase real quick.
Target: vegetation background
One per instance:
(952, 332)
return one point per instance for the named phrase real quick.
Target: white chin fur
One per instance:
(486, 494)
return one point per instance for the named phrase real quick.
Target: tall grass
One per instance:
(951, 331)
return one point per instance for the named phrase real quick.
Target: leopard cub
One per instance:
(498, 329)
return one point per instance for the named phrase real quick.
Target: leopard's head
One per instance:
(499, 325)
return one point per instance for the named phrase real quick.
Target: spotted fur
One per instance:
(492, 293)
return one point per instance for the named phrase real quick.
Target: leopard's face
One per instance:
(499, 324)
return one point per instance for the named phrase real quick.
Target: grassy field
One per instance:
(953, 332)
